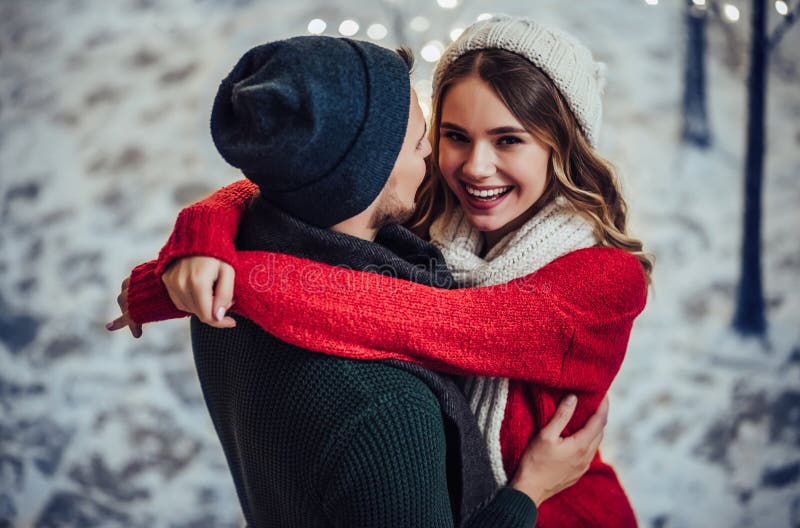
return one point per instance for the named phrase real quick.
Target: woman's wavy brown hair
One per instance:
(576, 171)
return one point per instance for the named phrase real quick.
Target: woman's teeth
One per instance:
(487, 194)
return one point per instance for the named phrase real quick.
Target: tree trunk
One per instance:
(750, 318)
(696, 130)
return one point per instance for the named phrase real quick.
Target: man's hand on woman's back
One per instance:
(551, 463)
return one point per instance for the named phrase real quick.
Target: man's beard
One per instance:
(391, 210)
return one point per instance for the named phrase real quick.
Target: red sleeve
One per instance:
(205, 228)
(208, 227)
(148, 300)
(565, 326)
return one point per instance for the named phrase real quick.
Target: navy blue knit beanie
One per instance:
(316, 122)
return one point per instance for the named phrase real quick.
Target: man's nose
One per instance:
(426, 147)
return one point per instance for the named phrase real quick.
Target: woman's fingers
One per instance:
(175, 286)
(119, 322)
(223, 295)
(201, 286)
(201, 290)
(125, 319)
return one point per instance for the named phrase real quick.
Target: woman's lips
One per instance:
(489, 202)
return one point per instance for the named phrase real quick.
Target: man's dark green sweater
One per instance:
(314, 441)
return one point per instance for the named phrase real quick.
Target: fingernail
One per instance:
(220, 313)
(572, 400)
(109, 325)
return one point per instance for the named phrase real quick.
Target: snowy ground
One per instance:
(103, 136)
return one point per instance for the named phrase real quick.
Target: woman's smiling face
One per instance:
(495, 167)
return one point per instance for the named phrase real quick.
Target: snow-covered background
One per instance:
(103, 137)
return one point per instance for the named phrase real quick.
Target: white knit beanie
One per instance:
(567, 62)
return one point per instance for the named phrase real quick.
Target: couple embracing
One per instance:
(447, 304)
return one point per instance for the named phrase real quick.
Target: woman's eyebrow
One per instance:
(506, 130)
(492, 132)
(447, 124)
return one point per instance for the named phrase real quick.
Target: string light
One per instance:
(348, 28)
(432, 51)
(447, 4)
(782, 7)
(456, 32)
(731, 12)
(317, 26)
(699, 5)
(652, 2)
(420, 24)
(377, 32)
(484, 16)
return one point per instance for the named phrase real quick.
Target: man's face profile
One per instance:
(396, 201)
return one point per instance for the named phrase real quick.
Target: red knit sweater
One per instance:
(561, 329)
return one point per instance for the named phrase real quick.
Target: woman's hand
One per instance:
(550, 463)
(125, 319)
(202, 286)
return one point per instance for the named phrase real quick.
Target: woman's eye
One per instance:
(455, 136)
(509, 140)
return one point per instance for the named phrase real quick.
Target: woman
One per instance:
(522, 208)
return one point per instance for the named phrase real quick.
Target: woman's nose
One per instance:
(480, 162)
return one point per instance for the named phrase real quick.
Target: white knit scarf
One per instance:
(552, 232)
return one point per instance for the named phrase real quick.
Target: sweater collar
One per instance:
(396, 252)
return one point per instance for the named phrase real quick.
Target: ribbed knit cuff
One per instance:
(509, 509)
(148, 300)
(519, 505)
(201, 231)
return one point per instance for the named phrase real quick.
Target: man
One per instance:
(331, 132)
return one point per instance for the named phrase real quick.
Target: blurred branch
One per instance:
(713, 8)
(788, 20)
(735, 48)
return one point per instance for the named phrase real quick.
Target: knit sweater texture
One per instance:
(325, 441)
(551, 233)
(561, 329)
(506, 409)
